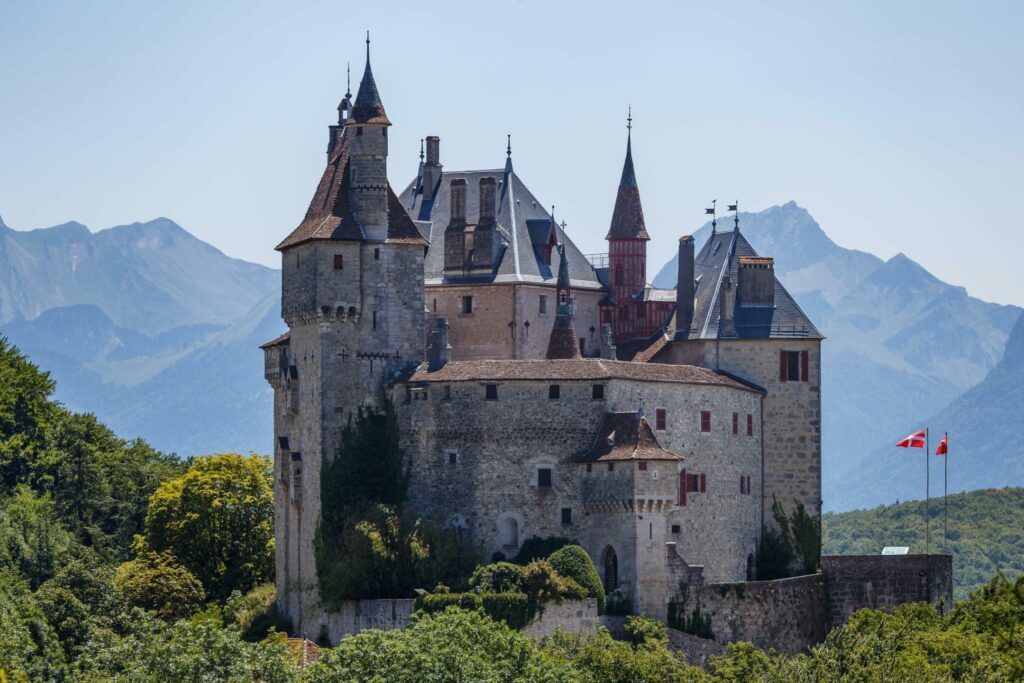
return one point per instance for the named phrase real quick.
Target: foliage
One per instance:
(806, 539)
(597, 658)
(454, 645)
(536, 548)
(158, 583)
(29, 648)
(986, 533)
(793, 543)
(514, 609)
(644, 632)
(255, 613)
(774, 555)
(99, 484)
(365, 545)
(32, 539)
(497, 577)
(573, 562)
(217, 519)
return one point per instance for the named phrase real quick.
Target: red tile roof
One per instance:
(626, 436)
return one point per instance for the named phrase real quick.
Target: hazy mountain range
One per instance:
(900, 346)
(158, 332)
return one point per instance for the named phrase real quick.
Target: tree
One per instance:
(29, 648)
(217, 520)
(32, 539)
(573, 562)
(157, 582)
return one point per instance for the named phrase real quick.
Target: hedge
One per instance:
(515, 609)
(573, 562)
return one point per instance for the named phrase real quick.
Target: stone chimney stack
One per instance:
(432, 168)
(486, 242)
(488, 186)
(455, 233)
(727, 309)
(440, 349)
(684, 289)
(607, 343)
(756, 286)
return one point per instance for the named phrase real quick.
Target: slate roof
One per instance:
(588, 369)
(283, 340)
(719, 256)
(626, 436)
(628, 215)
(329, 216)
(368, 108)
(523, 223)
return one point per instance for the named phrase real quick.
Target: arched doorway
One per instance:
(610, 561)
(508, 529)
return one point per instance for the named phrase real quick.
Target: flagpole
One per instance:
(927, 496)
(945, 492)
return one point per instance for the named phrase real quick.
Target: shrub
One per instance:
(536, 548)
(644, 632)
(573, 562)
(158, 583)
(498, 577)
(255, 613)
(514, 609)
(542, 583)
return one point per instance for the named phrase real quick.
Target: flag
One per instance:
(710, 211)
(733, 207)
(915, 440)
(943, 445)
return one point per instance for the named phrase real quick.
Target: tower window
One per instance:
(375, 320)
(453, 458)
(491, 392)
(566, 515)
(793, 366)
(542, 304)
(338, 261)
(554, 392)
(467, 305)
(660, 418)
(705, 420)
(376, 253)
(543, 477)
(597, 392)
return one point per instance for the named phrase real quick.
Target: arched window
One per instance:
(611, 569)
(508, 528)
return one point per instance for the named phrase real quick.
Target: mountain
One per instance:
(984, 533)
(985, 424)
(900, 343)
(150, 328)
(149, 277)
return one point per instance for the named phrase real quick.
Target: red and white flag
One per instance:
(915, 440)
(943, 446)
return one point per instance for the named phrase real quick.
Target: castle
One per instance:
(539, 392)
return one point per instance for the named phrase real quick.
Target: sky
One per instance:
(896, 124)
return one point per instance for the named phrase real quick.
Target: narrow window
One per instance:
(675, 528)
(375, 320)
(435, 305)
(705, 420)
(643, 466)
(625, 313)
(359, 131)
(338, 261)
(611, 467)
(703, 484)
(376, 254)
(542, 304)
(447, 395)
(743, 484)
(683, 487)
(659, 419)
(467, 305)
(554, 392)
(544, 478)
(583, 346)
(589, 467)
(491, 392)
(566, 515)
(789, 366)
(597, 393)
(735, 423)
(750, 424)
(453, 458)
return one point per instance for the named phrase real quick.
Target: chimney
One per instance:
(684, 289)
(727, 301)
(487, 194)
(455, 233)
(756, 286)
(432, 167)
(440, 350)
(607, 344)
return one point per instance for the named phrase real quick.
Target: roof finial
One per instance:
(367, 47)
(714, 218)
(421, 150)
(735, 208)
(348, 80)
(508, 148)
(629, 120)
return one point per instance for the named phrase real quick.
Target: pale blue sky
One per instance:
(897, 124)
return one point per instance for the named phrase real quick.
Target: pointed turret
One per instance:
(628, 216)
(562, 343)
(368, 108)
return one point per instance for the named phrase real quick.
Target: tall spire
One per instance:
(508, 155)
(563, 342)
(368, 107)
(628, 215)
(345, 106)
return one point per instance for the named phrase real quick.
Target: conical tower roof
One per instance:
(368, 108)
(628, 215)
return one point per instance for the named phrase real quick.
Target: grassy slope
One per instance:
(986, 532)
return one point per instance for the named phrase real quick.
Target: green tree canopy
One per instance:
(217, 519)
(158, 583)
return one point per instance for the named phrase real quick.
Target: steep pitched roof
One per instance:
(625, 436)
(628, 215)
(523, 223)
(368, 108)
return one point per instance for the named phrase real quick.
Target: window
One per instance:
(750, 424)
(705, 420)
(467, 305)
(675, 529)
(643, 466)
(491, 392)
(597, 392)
(606, 315)
(589, 467)
(446, 395)
(735, 423)
(338, 261)
(566, 515)
(375, 320)
(611, 467)
(659, 419)
(543, 477)
(453, 458)
(508, 529)
(554, 392)
(542, 304)
(794, 366)
(435, 305)
(376, 254)
(359, 131)
(745, 484)
(583, 346)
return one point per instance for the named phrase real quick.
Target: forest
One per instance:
(122, 563)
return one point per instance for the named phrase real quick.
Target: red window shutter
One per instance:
(703, 484)
(338, 261)
(805, 363)
(682, 487)
(659, 418)
(782, 366)
(750, 424)
(705, 420)
(743, 484)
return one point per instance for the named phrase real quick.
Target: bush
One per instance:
(536, 548)
(158, 583)
(514, 609)
(573, 562)
(498, 577)
(644, 632)
(255, 613)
